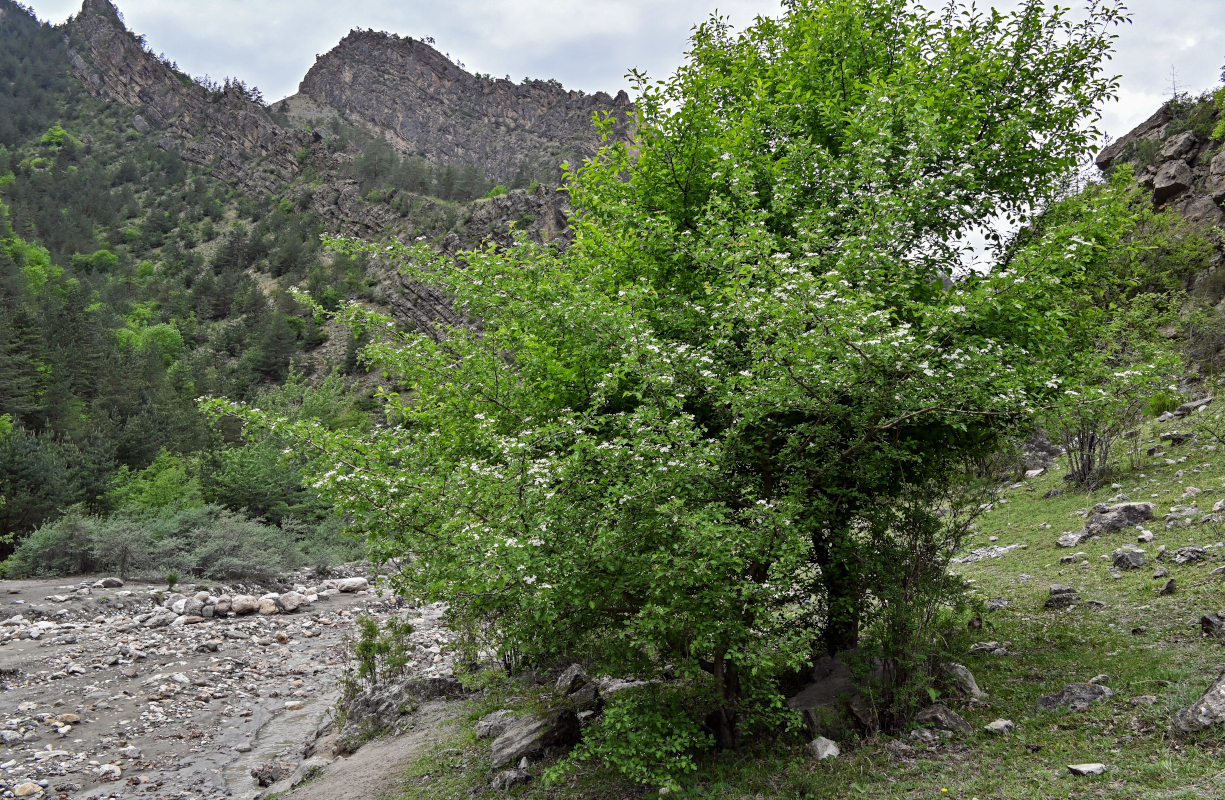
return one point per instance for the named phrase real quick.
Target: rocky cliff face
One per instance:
(425, 105)
(403, 90)
(1175, 159)
(223, 130)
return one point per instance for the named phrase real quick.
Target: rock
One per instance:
(509, 779)
(1172, 178)
(269, 772)
(1087, 769)
(1128, 558)
(1187, 555)
(1179, 146)
(1212, 625)
(1176, 438)
(268, 606)
(1072, 538)
(290, 601)
(962, 680)
(244, 604)
(572, 679)
(1170, 587)
(1145, 536)
(353, 584)
(944, 718)
(494, 725)
(1195, 405)
(1062, 597)
(996, 604)
(822, 748)
(109, 583)
(109, 772)
(1105, 519)
(1074, 697)
(1207, 712)
(832, 704)
(1000, 727)
(1035, 473)
(534, 736)
(987, 552)
(28, 789)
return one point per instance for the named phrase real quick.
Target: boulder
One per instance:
(268, 606)
(832, 704)
(1207, 712)
(822, 748)
(1212, 625)
(533, 736)
(943, 718)
(961, 680)
(1062, 596)
(1107, 518)
(494, 725)
(244, 604)
(1179, 146)
(223, 605)
(1172, 178)
(1188, 555)
(108, 583)
(1170, 587)
(1072, 538)
(1128, 558)
(1074, 697)
(290, 601)
(1000, 727)
(572, 679)
(1194, 405)
(352, 584)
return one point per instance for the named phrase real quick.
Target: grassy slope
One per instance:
(1170, 661)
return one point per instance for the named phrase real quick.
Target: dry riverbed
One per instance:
(97, 704)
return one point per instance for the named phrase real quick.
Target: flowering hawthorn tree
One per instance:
(710, 434)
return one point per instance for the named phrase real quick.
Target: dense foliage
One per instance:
(720, 433)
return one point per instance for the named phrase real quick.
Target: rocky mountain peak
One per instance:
(425, 104)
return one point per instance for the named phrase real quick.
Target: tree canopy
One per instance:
(717, 435)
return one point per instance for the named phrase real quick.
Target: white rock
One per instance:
(822, 748)
(1001, 726)
(1087, 769)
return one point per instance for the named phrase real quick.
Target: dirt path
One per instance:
(94, 704)
(375, 771)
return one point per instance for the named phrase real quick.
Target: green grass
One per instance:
(1169, 661)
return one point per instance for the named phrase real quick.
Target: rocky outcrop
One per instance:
(1183, 168)
(225, 130)
(426, 105)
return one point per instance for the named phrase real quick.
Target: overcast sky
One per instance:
(588, 44)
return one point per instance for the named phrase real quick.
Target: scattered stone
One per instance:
(1087, 769)
(942, 717)
(1072, 538)
(1074, 697)
(509, 779)
(962, 680)
(1204, 713)
(1129, 557)
(109, 772)
(996, 604)
(994, 551)
(1170, 587)
(1106, 518)
(1175, 438)
(1062, 597)
(898, 749)
(1100, 680)
(28, 790)
(1195, 405)
(1053, 493)
(1000, 727)
(494, 725)
(1145, 536)
(1187, 555)
(822, 748)
(269, 772)
(1212, 625)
